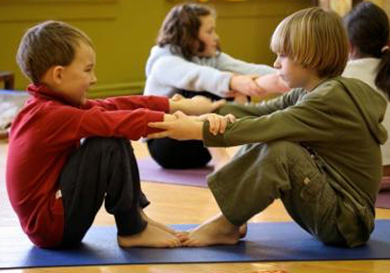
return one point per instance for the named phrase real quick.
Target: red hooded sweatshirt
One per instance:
(43, 135)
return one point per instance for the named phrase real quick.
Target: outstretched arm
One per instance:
(309, 120)
(272, 83)
(182, 127)
(197, 105)
(179, 73)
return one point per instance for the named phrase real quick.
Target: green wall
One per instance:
(123, 32)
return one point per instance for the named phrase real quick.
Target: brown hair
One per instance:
(315, 39)
(368, 31)
(180, 29)
(48, 44)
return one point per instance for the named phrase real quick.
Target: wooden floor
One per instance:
(191, 205)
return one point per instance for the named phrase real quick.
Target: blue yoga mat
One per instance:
(265, 242)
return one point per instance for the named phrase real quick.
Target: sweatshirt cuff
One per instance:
(211, 140)
(224, 84)
(160, 104)
(153, 116)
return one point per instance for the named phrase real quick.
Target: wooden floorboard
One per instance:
(172, 204)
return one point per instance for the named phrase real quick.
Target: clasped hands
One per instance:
(188, 117)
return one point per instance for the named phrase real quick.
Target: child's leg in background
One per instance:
(188, 154)
(101, 169)
(175, 154)
(261, 173)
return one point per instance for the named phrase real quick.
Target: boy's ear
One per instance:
(57, 74)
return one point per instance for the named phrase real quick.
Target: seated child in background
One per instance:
(369, 57)
(56, 182)
(317, 148)
(187, 60)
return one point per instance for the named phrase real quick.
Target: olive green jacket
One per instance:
(340, 120)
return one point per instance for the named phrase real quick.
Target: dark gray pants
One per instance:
(261, 173)
(102, 169)
(175, 154)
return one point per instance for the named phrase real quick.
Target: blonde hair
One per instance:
(315, 39)
(48, 44)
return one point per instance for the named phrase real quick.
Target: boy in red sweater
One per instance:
(67, 154)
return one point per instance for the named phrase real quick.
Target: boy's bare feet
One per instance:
(157, 224)
(242, 230)
(216, 231)
(151, 236)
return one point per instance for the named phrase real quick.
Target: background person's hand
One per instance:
(197, 105)
(246, 85)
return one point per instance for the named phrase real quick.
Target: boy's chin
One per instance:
(83, 101)
(79, 101)
(291, 85)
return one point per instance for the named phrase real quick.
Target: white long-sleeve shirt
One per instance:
(365, 69)
(167, 72)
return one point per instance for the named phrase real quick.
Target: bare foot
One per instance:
(151, 236)
(157, 224)
(184, 234)
(243, 230)
(216, 231)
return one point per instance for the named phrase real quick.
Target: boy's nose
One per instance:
(93, 80)
(277, 64)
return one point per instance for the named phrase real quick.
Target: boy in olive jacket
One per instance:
(316, 148)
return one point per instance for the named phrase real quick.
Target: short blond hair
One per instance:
(315, 39)
(48, 44)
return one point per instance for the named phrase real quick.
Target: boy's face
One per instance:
(79, 76)
(293, 74)
(208, 36)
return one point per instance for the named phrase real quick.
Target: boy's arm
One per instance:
(70, 123)
(309, 121)
(185, 128)
(154, 103)
(263, 108)
(198, 105)
(182, 127)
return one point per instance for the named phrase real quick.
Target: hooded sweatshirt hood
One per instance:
(371, 104)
